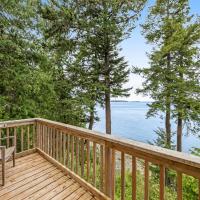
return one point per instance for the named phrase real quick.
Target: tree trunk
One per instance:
(179, 132)
(108, 112)
(107, 95)
(91, 119)
(168, 124)
(168, 107)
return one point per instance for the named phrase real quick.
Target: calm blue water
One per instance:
(129, 121)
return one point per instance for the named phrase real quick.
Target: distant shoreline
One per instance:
(130, 101)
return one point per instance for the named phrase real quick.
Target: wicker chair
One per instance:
(5, 155)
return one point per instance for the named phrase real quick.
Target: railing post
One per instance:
(108, 171)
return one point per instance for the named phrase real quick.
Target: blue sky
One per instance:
(135, 48)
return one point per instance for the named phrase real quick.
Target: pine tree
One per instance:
(163, 78)
(107, 23)
(22, 77)
(186, 85)
(100, 26)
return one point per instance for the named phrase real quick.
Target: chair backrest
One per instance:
(7, 142)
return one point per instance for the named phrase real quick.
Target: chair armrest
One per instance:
(3, 153)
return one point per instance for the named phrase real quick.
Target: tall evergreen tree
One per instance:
(170, 29)
(101, 26)
(22, 77)
(107, 24)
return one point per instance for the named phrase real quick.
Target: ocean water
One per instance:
(129, 121)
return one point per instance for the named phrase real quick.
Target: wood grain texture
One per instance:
(36, 178)
(82, 182)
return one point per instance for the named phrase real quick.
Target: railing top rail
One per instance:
(13, 123)
(172, 157)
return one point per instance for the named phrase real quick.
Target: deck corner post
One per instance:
(108, 171)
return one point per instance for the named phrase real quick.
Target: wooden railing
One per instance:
(94, 159)
(24, 132)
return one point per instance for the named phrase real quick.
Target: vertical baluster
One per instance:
(0, 136)
(94, 163)
(34, 138)
(82, 157)
(101, 168)
(54, 144)
(47, 138)
(179, 186)
(38, 135)
(146, 180)
(7, 134)
(162, 182)
(61, 146)
(28, 137)
(72, 153)
(199, 189)
(15, 138)
(77, 155)
(68, 149)
(113, 174)
(57, 145)
(88, 160)
(22, 138)
(108, 172)
(41, 136)
(134, 177)
(64, 149)
(43, 139)
(122, 176)
(50, 140)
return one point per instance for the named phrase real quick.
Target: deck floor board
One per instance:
(36, 178)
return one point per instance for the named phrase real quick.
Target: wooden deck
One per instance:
(36, 178)
(89, 159)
